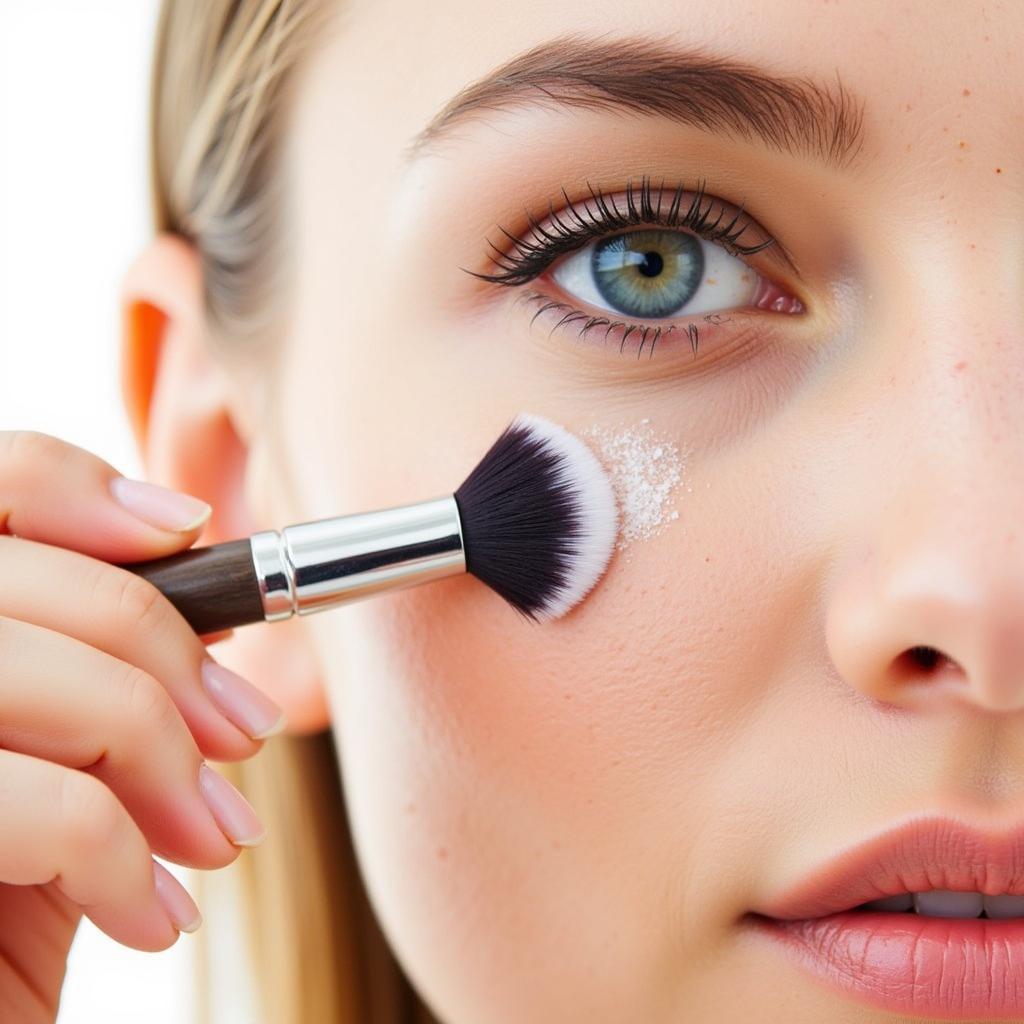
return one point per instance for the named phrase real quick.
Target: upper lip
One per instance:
(931, 852)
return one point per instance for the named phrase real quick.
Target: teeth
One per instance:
(945, 903)
(1004, 906)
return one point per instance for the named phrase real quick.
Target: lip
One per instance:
(925, 853)
(951, 969)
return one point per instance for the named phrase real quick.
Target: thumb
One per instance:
(57, 493)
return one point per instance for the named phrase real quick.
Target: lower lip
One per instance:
(942, 967)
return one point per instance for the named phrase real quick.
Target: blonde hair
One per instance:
(219, 100)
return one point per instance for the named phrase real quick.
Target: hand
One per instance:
(106, 717)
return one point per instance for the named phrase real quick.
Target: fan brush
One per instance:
(535, 520)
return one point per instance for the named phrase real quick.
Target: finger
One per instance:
(124, 615)
(56, 492)
(65, 826)
(69, 703)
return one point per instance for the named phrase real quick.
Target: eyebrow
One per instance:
(790, 114)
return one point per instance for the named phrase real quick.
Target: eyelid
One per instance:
(534, 251)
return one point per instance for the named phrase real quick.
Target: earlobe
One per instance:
(186, 412)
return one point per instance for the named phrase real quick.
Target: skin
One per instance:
(569, 822)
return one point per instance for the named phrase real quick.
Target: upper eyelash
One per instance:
(529, 259)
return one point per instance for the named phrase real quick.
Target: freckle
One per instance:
(707, 558)
(945, 127)
(967, 92)
(410, 808)
(972, 246)
(442, 853)
(961, 144)
(910, 106)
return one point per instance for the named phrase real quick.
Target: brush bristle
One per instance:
(539, 518)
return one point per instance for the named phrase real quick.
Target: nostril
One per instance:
(914, 661)
(924, 657)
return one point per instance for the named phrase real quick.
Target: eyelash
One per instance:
(529, 259)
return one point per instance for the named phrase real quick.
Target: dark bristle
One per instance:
(521, 519)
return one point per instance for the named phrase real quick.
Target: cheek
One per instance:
(536, 807)
(522, 791)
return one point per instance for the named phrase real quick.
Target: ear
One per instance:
(194, 423)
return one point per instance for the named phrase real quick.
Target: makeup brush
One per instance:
(535, 520)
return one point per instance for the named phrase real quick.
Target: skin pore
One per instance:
(569, 822)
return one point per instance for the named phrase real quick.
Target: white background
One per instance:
(73, 213)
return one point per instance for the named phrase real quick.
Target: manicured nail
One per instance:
(241, 702)
(159, 506)
(184, 914)
(234, 814)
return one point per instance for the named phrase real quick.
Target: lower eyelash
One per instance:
(645, 330)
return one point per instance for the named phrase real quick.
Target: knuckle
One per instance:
(26, 450)
(91, 815)
(138, 601)
(146, 701)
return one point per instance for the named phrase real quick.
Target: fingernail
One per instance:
(234, 814)
(159, 506)
(243, 704)
(182, 911)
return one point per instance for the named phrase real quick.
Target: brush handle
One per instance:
(272, 575)
(214, 588)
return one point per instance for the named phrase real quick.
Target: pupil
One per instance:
(652, 264)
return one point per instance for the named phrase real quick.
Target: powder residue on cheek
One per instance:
(644, 470)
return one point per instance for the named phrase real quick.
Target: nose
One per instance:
(934, 617)
(927, 607)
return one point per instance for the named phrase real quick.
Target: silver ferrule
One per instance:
(332, 561)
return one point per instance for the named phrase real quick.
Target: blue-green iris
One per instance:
(648, 273)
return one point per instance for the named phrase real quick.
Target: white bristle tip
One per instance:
(599, 515)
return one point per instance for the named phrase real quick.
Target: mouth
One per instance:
(927, 919)
(949, 904)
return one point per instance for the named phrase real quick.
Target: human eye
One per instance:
(665, 259)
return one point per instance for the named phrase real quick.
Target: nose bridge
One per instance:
(932, 589)
(956, 393)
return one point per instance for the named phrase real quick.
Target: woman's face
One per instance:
(569, 822)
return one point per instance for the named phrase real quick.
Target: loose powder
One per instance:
(644, 469)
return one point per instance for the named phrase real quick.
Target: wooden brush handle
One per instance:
(214, 588)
